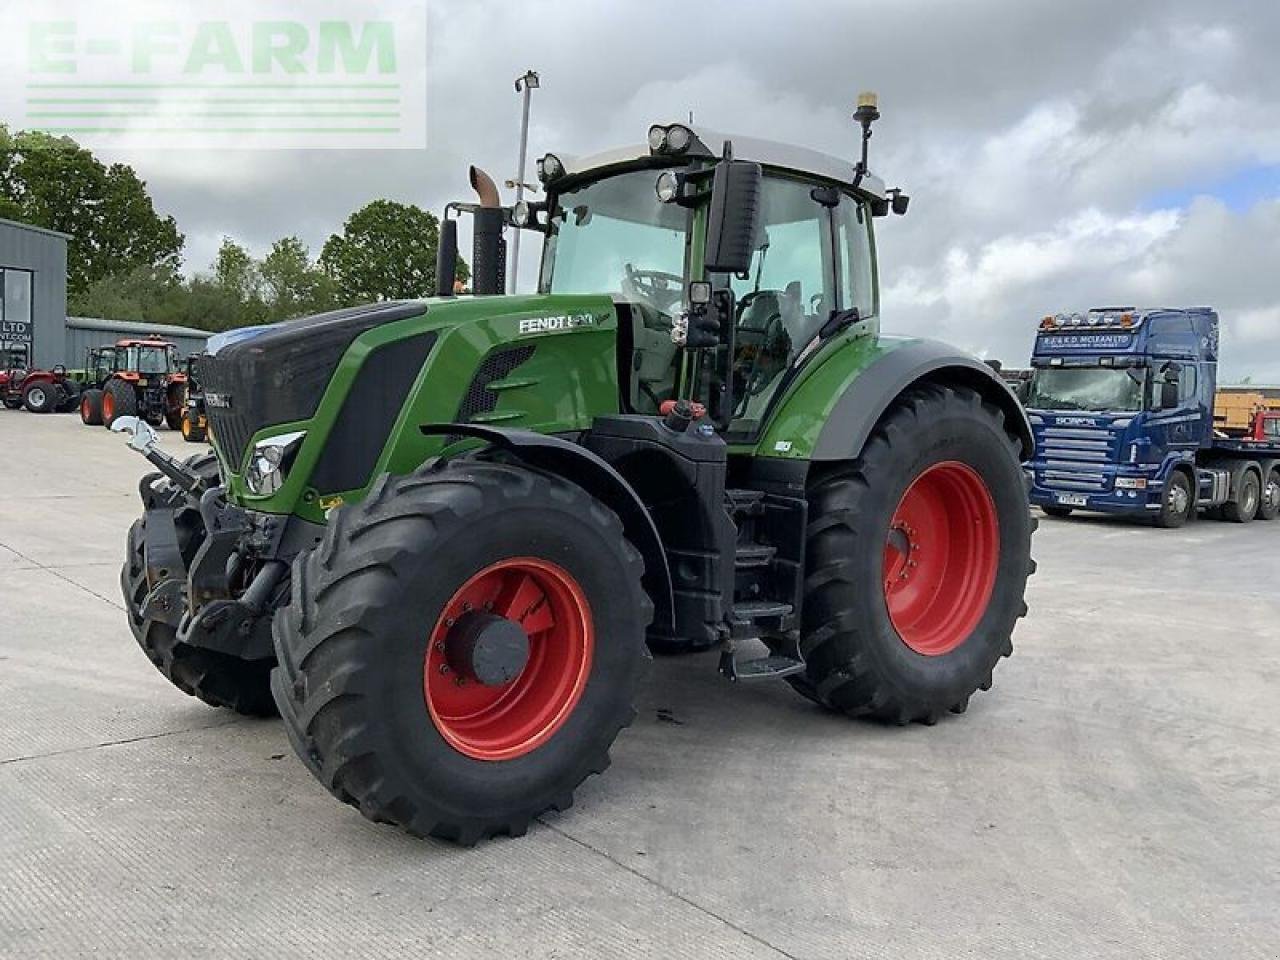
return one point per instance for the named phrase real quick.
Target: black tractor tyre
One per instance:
(192, 432)
(91, 407)
(69, 396)
(354, 645)
(40, 397)
(218, 679)
(857, 661)
(175, 406)
(1058, 513)
(12, 403)
(1245, 506)
(122, 402)
(1269, 505)
(1177, 503)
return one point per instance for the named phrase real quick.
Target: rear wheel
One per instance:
(91, 407)
(118, 400)
(917, 558)
(192, 432)
(1245, 506)
(40, 397)
(462, 649)
(1059, 513)
(1269, 507)
(1177, 503)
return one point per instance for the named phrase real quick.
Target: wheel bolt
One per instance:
(444, 668)
(460, 681)
(439, 647)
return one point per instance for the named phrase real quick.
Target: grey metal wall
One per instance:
(85, 332)
(44, 253)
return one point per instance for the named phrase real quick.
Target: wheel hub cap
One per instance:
(508, 658)
(940, 558)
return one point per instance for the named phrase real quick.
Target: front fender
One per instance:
(830, 414)
(598, 478)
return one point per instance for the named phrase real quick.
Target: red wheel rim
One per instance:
(507, 721)
(84, 409)
(940, 558)
(108, 406)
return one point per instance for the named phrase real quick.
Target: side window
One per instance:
(784, 298)
(853, 247)
(1188, 383)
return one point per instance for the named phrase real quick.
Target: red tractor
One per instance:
(134, 378)
(40, 391)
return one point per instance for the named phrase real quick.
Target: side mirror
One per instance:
(447, 257)
(734, 218)
(1168, 394)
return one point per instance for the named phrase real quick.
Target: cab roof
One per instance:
(144, 342)
(710, 144)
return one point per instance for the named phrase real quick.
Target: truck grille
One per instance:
(1078, 458)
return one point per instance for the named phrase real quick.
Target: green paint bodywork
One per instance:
(571, 378)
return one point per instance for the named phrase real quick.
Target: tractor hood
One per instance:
(258, 377)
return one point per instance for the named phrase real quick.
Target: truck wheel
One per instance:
(1058, 513)
(218, 679)
(1269, 506)
(918, 554)
(91, 408)
(40, 398)
(118, 400)
(462, 648)
(1177, 504)
(1245, 506)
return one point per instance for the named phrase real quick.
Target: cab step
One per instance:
(743, 502)
(755, 610)
(785, 661)
(752, 555)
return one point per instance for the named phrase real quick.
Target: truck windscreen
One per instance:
(1086, 388)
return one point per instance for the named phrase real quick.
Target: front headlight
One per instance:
(269, 462)
(1131, 483)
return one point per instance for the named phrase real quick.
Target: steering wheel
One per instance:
(762, 351)
(661, 289)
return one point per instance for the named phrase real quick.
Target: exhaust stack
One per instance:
(489, 249)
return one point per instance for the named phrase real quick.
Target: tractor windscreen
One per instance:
(614, 236)
(152, 359)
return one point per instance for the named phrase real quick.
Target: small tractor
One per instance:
(195, 420)
(134, 378)
(440, 536)
(40, 391)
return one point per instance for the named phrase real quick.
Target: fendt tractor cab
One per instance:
(464, 516)
(134, 378)
(1122, 405)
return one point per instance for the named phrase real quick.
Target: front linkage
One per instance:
(203, 576)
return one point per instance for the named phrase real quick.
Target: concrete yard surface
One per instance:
(1114, 795)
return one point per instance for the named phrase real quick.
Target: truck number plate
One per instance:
(1073, 499)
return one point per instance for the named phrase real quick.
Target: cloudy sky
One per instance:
(1059, 155)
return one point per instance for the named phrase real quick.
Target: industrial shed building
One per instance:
(33, 290)
(85, 332)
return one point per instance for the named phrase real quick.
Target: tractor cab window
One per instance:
(856, 263)
(103, 363)
(152, 359)
(784, 298)
(614, 236)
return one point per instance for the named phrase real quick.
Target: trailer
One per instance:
(1127, 419)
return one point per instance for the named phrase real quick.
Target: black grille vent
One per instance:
(480, 399)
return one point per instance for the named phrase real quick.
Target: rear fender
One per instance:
(923, 361)
(598, 478)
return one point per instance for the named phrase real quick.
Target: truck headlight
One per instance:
(1131, 483)
(270, 461)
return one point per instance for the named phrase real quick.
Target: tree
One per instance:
(292, 284)
(386, 251)
(53, 182)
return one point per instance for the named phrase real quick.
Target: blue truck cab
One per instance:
(1121, 404)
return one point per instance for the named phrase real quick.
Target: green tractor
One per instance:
(440, 537)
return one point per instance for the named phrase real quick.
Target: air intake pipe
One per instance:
(489, 249)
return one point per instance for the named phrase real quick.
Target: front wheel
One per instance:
(917, 558)
(463, 647)
(91, 407)
(1177, 503)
